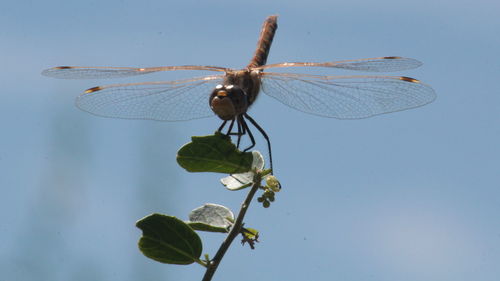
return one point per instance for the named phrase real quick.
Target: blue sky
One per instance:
(413, 195)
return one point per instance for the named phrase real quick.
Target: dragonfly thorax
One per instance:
(228, 101)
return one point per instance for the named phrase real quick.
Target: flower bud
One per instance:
(272, 183)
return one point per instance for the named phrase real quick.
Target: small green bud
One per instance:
(266, 204)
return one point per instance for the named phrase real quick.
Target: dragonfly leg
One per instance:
(241, 131)
(264, 135)
(230, 128)
(229, 133)
(222, 126)
(250, 135)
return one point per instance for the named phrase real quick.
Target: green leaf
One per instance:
(214, 153)
(244, 180)
(250, 233)
(168, 240)
(211, 217)
(206, 227)
(250, 236)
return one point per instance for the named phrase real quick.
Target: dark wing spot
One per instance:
(63, 67)
(94, 89)
(408, 79)
(391, 58)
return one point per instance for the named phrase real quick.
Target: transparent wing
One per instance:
(347, 97)
(83, 72)
(164, 101)
(382, 64)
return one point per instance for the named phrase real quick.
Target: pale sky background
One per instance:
(408, 196)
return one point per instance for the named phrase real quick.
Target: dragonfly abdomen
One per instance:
(265, 41)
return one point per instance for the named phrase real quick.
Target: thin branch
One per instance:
(235, 230)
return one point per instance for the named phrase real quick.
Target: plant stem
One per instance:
(235, 230)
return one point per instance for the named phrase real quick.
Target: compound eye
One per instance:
(235, 91)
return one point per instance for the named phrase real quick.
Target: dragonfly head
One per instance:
(228, 101)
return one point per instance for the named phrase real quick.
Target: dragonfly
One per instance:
(231, 92)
